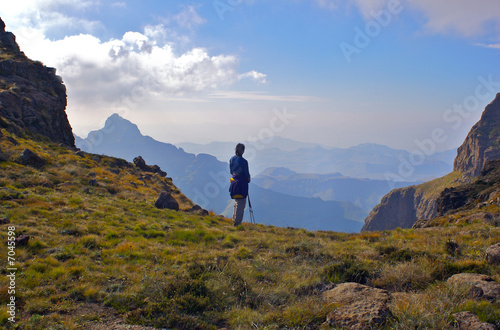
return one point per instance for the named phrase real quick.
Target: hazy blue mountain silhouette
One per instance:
(205, 180)
(272, 208)
(372, 161)
(364, 193)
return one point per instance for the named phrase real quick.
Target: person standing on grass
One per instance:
(238, 189)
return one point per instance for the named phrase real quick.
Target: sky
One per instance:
(409, 74)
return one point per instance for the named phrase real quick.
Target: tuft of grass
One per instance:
(348, 269)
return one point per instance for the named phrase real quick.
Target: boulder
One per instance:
(359, 306)
(493, 254)
(480, 286)
(29, 158)
(469, 321)
(141, 164)
(198, 210)
(167, 201)
(22, 240)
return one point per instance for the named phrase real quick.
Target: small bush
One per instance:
(244, 253)
(182, 303)
(349, 269)
(447, 269)
(393, 254)
(90, 242)
(486, 311)
(407, 276)
(429, 309)
(452, 248)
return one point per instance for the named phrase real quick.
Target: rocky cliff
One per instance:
(482, 143)
(402, 207)
(32, 96)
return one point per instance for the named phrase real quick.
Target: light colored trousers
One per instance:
(239, 209)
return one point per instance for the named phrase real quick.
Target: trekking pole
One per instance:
(252, 218)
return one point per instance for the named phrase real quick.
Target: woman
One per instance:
(238, 189)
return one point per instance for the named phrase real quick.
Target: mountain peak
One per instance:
(117, 123)
(482, 144)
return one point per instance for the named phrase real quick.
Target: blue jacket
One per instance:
(238, 166)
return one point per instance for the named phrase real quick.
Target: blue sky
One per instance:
(335, 72)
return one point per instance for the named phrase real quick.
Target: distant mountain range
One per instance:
(364, 193)
(371, 161)
(205, 180)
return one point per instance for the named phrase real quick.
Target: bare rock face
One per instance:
(469, 321)
(480, 286)
(32, 97)
(493, 254)
(360, 306)
(400, 208)
(482, 143)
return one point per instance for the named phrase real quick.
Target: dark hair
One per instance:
(240, 149)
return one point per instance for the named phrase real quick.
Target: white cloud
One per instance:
(256, 76)
(108, 71)
(119, 4)
(493, 46)
(463, 17)
(369, 7)
(328, 4)
(102, 75)
(47, 16)
(262, 96)
(188, 18)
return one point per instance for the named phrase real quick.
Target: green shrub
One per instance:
(393, 254)
(349, 269)
(407, 276)
(486, 311)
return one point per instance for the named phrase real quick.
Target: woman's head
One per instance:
(240, 149)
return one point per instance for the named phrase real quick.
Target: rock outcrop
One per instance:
(482, 143)
(484, 190)
(400, 208)
(493, 254)
(469, 321)
(403, 207)
(141, 164)
(479, 286)
(359, 306)
(32, 96)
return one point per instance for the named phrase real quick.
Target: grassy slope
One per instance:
(99, 253)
